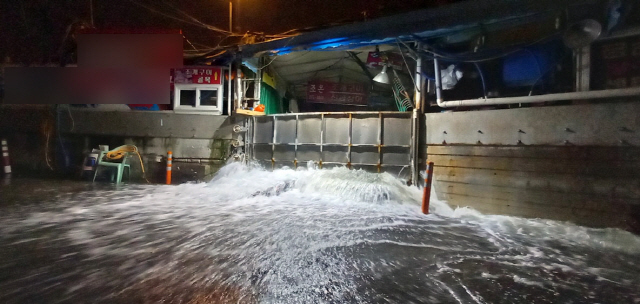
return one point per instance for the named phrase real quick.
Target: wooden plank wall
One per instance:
(593, 186)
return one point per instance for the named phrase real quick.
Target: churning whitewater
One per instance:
(298, 236)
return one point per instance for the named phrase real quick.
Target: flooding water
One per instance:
(310, 236)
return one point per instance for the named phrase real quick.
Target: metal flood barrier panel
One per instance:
(372, 141)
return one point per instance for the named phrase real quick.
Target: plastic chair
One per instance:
(120, 166)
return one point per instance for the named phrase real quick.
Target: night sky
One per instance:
(32, 31)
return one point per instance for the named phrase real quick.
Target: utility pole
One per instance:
(231, 16)
(91, 12)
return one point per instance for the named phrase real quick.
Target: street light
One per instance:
(230, 15)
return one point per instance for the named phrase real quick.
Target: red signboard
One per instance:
(375, 60)
(198, 75)
(336, 93)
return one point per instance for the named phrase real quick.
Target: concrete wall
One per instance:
(576, 163)
(157, 124)
(200, 142)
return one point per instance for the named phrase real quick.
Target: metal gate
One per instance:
(373, 141)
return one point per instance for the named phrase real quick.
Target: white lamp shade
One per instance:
(382, 77)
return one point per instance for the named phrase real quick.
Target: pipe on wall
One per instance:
(627, 92)
(196, 160)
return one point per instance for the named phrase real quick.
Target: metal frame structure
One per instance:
(373, 141)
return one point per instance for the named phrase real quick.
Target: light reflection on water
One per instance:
(312, 236)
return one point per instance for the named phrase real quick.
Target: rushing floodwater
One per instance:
(311, 236)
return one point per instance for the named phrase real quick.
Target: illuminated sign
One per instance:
(198, 75)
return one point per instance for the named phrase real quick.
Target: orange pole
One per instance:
(169, 164)
(426, 194)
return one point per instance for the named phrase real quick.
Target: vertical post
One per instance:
(414, 147)
(273, 143)
(415, 122)
(437, 76)
(322, 127)
(295, 145)
(249, 150)
(379, 142)
(583, 68)
(169, 165)
(239, 87)
(426, 192)
(418, 85)
(91, 12)
(229, 101)
(5, 158)
(257, 84)
(350, 140)
(231, 16)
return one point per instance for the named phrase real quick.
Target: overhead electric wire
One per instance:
(189, 42)
(416, 85)
(275, 57)
(196, 22)
(329, 66)
(469, 58)
(171, 6)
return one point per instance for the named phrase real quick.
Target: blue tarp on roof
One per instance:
(422, 23)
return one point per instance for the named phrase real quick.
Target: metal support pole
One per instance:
(239, 89)
(295, 146)
(350, 139)
(91, 13)
(229, 83)
(414, 147)
(231, 16)
(258, 84)
(415, 122)
(418, 85)
(438, 78)
(583, 68)
(379, 142)
(252, 147)
(426, 192)
(322, 127)
(273, 143)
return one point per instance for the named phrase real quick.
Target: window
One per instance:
(190, 97)
(208, 97)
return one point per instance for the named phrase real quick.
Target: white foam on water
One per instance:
(305, 236)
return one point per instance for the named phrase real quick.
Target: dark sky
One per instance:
(33, 30)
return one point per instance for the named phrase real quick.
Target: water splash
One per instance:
(306, 236)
